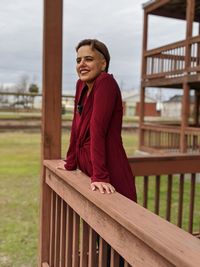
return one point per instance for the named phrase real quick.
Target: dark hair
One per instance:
(97, 45)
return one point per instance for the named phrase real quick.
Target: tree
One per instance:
(33, 89)
(22, 87)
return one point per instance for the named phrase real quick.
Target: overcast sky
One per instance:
(118, 23)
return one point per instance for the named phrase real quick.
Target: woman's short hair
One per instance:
(97, 45)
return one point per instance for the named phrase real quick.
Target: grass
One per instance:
(19, 198)
(19, 184)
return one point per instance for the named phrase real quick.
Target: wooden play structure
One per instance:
(174, 65)
(72, 216)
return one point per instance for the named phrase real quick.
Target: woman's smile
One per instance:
(90, 63)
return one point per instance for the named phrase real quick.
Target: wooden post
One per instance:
(51, 110)
(185, 116)
(143, 72)
(186, 88)
(196, 107)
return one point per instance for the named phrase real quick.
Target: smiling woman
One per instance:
(96, 145)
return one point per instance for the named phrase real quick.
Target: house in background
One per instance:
(172, 107)
(131, 104)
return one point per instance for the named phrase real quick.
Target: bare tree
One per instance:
(22, 87)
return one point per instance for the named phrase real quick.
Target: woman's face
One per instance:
(90, 63)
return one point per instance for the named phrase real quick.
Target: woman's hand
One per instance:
(102, 187)
(61, 165)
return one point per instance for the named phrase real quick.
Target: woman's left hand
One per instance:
(102, 187)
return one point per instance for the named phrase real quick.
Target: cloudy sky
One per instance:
(118, 23)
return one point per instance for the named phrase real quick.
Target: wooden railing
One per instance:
(170, 187)
(169, 61)
(165, 138)
(86, 228)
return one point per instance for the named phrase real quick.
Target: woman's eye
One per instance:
(89, 59)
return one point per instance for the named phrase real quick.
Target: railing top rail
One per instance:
(162, 128)
(165, 164)
(171, 46)
(175, 245)
(192, 130)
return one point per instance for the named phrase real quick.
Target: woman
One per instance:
(95, 144)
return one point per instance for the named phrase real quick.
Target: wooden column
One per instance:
(51, 110)
(186, 88)
(196, 107)
(143, 72)
(185, 116)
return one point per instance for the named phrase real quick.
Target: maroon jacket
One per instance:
(96, 145)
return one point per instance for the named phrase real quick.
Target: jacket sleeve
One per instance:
(103, 106)
(71, 162)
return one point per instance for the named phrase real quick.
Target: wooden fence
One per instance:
(165, 138)
(86, 228)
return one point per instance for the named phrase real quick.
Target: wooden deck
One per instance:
(173, 65)
(75, 219)
(74, 216)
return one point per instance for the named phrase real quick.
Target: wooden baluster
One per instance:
(152, 65)
(52, 228)
(170, 61)
(126, 264)
(57, 231)
(157, 66)
(84, 245)
(69, 234)
(176, 59)
(180, 202)
(157, 194)
(192, 197)
(148, 66)
(162, 65)
(62, 234)
(114, 258)
(92, 248)
(145, 192)
(182, 60)
(75, 242)
(167, 62)
(103, 252)
(169, 198)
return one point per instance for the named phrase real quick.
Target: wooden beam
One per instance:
(143, 73)
(149, 7)
(189, 27)
(185, 116)
(52, 79)
(51, 112)
(196, 107)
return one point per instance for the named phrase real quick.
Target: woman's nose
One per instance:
(82, 62)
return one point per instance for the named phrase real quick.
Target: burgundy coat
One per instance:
(96, 145)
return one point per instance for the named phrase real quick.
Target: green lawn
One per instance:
(19, 197)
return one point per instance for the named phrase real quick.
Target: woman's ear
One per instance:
(103, 65)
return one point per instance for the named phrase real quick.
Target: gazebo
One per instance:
(72, 215)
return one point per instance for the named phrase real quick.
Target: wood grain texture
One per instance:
(124, 224)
